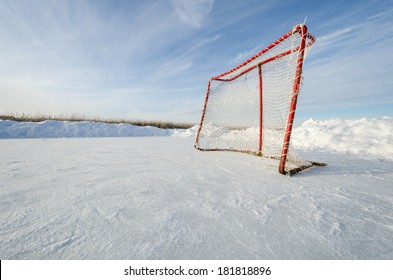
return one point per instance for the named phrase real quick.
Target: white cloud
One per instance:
(335, 35)
(243, 56)
(193, 12)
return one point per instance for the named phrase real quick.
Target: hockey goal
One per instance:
(251, 108)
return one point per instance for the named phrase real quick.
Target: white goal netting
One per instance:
(251, 107)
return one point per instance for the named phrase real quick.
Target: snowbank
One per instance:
(363, 137)
(64, 129)
(191, 132)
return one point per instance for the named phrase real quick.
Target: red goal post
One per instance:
(251, 108)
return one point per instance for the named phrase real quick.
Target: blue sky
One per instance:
(152, 59)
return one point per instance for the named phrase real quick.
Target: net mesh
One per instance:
(233, 111)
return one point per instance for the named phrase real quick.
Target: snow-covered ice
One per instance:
(159, 198)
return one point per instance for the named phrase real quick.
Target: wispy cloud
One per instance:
(243, 56)
(183, 61)
(73, 52)
(332, 37)
(193, 12)
(350, 66)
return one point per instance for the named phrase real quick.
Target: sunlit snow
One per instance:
(97, 197)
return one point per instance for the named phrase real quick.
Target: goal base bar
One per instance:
(302, 168)
(259, 154)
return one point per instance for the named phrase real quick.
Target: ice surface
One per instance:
(159, 198)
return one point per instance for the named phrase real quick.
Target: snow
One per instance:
(64, 129)
(159, 198)
(362, 137)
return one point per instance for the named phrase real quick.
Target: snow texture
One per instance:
(64, 129)
(159, 198)
(363, 137)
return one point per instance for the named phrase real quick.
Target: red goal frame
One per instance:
(306, 40)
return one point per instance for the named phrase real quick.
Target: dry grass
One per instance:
(78, 118)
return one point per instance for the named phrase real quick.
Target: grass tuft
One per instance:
(78, 118)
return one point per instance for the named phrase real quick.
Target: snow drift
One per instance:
(65, 129)
(363, 137)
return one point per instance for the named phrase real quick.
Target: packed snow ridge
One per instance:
(363, 137)
(66, 129)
